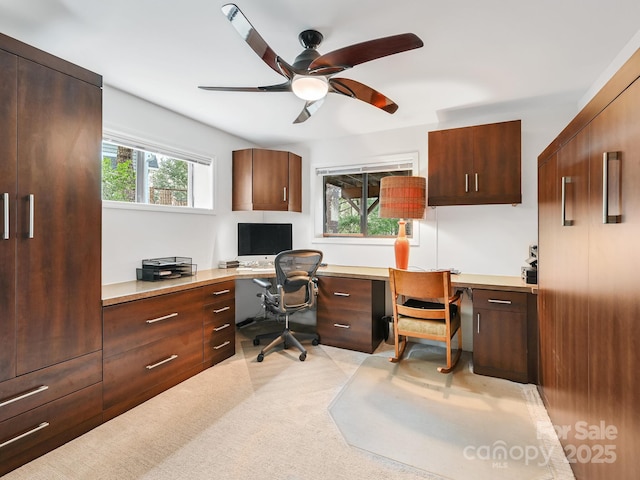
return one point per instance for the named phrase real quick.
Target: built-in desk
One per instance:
(134, 290)
(504, 337)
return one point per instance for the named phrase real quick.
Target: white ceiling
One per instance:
(477, 54)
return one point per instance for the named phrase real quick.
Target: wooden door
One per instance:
(548, 225)
(59, 259)
(270, 180)
(614, 298)
(495, 176)
(8, 127)
(571, 267)
(450, 164)
(294, 195)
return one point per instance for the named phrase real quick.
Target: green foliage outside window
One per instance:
(119, 182)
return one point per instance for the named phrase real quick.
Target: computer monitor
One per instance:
(264, 239)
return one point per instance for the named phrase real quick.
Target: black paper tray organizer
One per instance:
(155, 269)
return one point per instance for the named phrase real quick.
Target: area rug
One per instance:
(448, 425)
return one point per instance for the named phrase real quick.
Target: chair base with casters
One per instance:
(296, 291)
(287, 338)
(424, 306)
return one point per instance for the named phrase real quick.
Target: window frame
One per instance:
(140, 143)
(380, 163)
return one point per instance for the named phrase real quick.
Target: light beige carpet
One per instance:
(449, 425)
(238, 420)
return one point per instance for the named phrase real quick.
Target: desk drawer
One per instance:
(220, 312)
(499, 300)
(33, 433)
(219, 292)
(37, 388)
(344, 294)
(129, 374)
(219, 343)
(347, 331)
(130, 325)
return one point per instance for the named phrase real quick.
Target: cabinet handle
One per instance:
(39, 389)
(222, 327)
(341, 325)
(30, 432)
(221, 292)
(159, 319)
(341, 294)
(611, 204)
(223, 309)
(504, 302)
(5, 201)
(563, 203)
(478, 329)
(222, 345)
(284, 194)
(476, 182)
(151, 367)
(32, 207)
(466, 182)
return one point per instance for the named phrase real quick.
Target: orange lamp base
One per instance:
(401, 247)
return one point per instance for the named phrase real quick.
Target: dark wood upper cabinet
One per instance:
(267, 180)
(475, 165)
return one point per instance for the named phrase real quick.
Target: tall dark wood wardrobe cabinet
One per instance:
(589, 300)
(50, 252)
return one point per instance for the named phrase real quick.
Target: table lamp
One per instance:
(402, 198)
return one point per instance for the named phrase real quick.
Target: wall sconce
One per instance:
(402, 198)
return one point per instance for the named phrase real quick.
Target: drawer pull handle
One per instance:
(340, 294)
(172, 357)
(222, 345)
(33, 430)
(5, 201)
(221, 292)
(226, 325)
(503, 302)
(41, 388)
(159, 319)
(32, 207)
(478, 323)
(341, 325)
(223, 309)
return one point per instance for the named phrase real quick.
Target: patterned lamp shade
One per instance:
(403, 197)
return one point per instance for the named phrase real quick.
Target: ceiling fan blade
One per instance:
(358, 53)
(282, 87)
(353, 89)
(309, 109)
(255, 41)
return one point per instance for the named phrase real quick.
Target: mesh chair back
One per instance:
(294, 269)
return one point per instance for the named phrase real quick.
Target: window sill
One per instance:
(156, 208)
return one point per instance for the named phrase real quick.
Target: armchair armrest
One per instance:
(263, 283)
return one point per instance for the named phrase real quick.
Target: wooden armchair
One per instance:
(424, 306)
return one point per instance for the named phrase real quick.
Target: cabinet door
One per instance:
(496, 177)
(571, 270)
(614, 301)
(548, 226)
(500, 334)
(58, 260)
(8, 127)
(294, 193)
(450, 162)
(270, 180)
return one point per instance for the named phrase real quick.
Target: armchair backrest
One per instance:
(295, 275)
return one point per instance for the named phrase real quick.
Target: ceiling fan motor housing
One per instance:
(310, 39)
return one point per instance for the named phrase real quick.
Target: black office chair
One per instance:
(297, 289)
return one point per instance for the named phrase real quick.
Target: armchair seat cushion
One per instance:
(420, 327)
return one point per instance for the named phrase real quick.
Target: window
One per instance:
(136, 173)
(351, 199)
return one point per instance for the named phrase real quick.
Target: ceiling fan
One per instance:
(311, 76)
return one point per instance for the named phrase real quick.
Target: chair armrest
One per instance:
(456, 297)
(263, 283)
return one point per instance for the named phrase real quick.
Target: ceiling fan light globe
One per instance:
(309, 88)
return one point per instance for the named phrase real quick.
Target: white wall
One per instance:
(491, 239)
(488, 239)
(128, 236)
